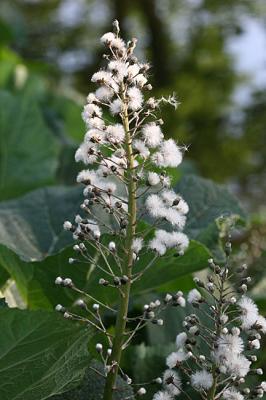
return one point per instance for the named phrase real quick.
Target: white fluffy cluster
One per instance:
(120, 91)
(202, 380)
(249, 312)
(125, 154)
(216, 350)
(170, 207)
(164, 240)
(228, 355)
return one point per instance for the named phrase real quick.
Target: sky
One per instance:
(249, 51)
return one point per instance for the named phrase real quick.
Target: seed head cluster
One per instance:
(215, 354)
(126, 160)
(113, 151)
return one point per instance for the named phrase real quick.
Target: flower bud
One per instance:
(67, 226)
(168, 298)
(99, 347)
(80, 303)
(103, 282)
(58, 280)
(95, 307)
(141, 391)
(68, 283)
(60, 308)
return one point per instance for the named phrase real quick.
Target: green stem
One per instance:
(124, 298)
(212, 391)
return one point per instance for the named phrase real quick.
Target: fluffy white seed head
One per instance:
(67, 225)
(137, 245)
(181, 340)
(135, 98)
(141, 149)
(162, 395)
(249, 312)
(153, 178)
(202, 380)
(232, 394)
(152, 135)
(172, 382)
(169, 155)
(141, 391)
(194, 296)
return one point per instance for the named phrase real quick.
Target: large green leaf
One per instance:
(208, 202)
(35, 280)
(256, 269)
(32, 226)
(147, 363)
(41, 354)
(28, 150)
(91, 388)
(4, 275)
(67, 112)
(168, 269)
(165, 271)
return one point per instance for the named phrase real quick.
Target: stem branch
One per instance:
(121, 319)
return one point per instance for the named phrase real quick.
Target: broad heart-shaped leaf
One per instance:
(147, 362)
(32, 226)
(168, 269)
(207, 202)
(41, 354)
(165, 271)
(92, 386)
(257, 269)
(4, 275)
(35, 280)
(28, 150)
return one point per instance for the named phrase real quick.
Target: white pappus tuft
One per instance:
(172, 382)
(249, 312)
(202, 380)
(194, 296)
(152, 135)
(162, 396)
(169, 154)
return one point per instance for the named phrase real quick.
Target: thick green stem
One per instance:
(212, 391)
(124, 299)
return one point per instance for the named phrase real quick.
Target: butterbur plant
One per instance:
(127, 158)
(126, 182)
(216, 352)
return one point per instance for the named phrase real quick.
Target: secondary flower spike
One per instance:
(215, 352)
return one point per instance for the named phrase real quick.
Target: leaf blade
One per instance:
(40, 354)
